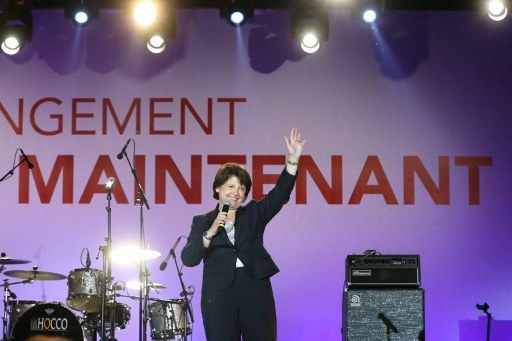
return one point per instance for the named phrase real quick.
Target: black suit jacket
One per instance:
(250, 221)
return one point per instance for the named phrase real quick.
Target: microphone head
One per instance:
(30, 165)
(109, 184)
(227, 203)
(163, 266)
(120, 156)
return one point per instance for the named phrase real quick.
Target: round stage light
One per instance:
(237, 18)
(497, 10)
(144, 13)
(310, 43)
(369, 16)
(156, 44)
(81, 17)
(11, 45)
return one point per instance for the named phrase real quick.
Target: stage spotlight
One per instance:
(310, 27)
(156, 44)
(81, 11)
(145, 13)
(369, 11)
(237, 12)
(15, 27)
(497, 10)
(369, 16)
(157, 37)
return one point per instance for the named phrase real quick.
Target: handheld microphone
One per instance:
(121, 153)
(29, 164)
(88, 260)
(225, 209)
(389, 325)
(171, 252)
(484, 307)
(109, 184)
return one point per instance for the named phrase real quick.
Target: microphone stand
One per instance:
(489, 316)
(186, 305)
(143, 275)
(107, 270)
(11, 172)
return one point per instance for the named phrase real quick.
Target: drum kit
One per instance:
(92, 292)
(167, 318)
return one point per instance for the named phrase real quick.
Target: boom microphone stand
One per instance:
(11, 172)
(143, 273)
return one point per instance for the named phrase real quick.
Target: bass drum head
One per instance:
(48, 319)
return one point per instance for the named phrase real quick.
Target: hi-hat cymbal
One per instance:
(9, 260)
(35, 275)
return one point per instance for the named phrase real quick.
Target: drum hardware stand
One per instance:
(106, 288)
(8, 295)
(187, 311)
(143, 273)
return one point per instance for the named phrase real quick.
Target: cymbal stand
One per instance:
(107, 268)
(143, 272)
(187, 310)
(7, 296)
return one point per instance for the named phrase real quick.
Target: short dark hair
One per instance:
(228, 170)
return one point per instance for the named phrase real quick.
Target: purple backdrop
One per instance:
(428, 84)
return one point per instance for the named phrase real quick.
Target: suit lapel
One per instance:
(239, 224)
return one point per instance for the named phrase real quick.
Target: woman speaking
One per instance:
(237, 300)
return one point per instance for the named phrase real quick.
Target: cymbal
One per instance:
(128, 254)
(9, 260)
(135, 285)
(35, 275)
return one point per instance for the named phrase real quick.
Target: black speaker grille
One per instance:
(403, 308)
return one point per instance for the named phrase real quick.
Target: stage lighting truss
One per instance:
(15, 26)
(310, 27)
(156, 18)
(81, 11)
(236, 12)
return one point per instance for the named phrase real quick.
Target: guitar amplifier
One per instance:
(372, 270)
(383, 314)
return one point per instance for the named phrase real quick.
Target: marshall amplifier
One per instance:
(372, 270)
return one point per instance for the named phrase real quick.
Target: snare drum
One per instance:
(84, 290)
(48, 319)
(167, 319)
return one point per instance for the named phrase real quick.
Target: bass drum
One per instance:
(48, 319)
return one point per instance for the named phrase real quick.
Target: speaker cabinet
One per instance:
(383, 314)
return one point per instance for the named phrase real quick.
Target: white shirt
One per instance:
(230, 230)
